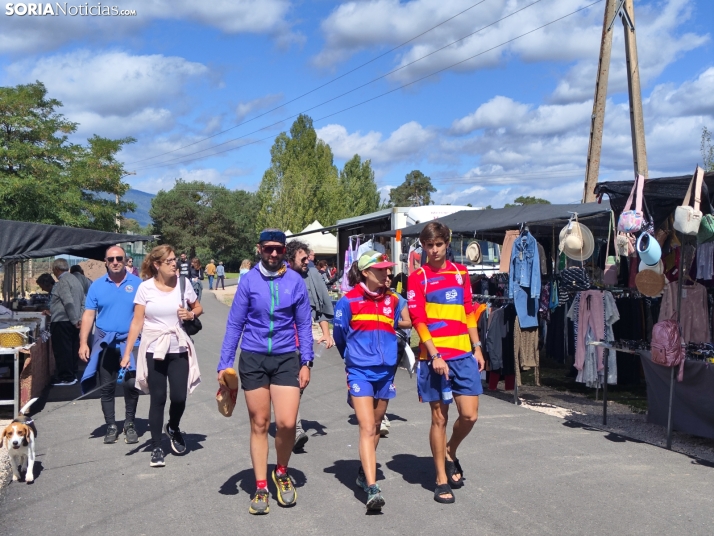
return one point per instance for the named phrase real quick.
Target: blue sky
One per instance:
(512, 121)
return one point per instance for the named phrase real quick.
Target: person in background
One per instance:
(66, 308)
(195, 274)
(166, 353)
(78, 272)
(364, 330)
(46, 282)
(320, 306)
(130, 268)
(183, 266)
(322, 269)
(270, 368)
(211, 273)
(245, 267)
(450, 360)
(110, 302)
(221, 275)
(311, 259)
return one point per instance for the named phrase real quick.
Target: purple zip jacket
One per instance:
(266, 312)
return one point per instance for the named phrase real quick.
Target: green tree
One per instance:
(415, 191)
(46, 179)
(527, 200)
(358, 189)
(707, 150)
(301, 185)
(207, 221)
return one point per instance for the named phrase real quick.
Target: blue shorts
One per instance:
(463, 373)
(361, 384)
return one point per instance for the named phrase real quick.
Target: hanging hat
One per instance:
(577, 241)
(473, 252)
(650, 283)
(658, 268)
(649, 249)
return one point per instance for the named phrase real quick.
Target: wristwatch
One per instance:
(307, 364)
(475, 345)
(435, 356)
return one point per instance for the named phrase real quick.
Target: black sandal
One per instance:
(440, 491)
(452, 469)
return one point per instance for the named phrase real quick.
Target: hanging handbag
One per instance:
(574, 279)
(630, 221)
(687, 219)
(609, 274)
(190, 326)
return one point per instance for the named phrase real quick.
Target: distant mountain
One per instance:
(142, 200)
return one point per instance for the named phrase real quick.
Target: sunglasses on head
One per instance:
(118, 259)
(280, 250)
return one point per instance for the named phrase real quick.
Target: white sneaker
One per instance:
(384, 428)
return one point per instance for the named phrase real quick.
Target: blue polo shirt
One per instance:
(114, 304)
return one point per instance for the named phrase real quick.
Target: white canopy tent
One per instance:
(321, 244)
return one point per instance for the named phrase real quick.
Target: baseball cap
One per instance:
(373, 259)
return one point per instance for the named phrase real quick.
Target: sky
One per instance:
(474, 93)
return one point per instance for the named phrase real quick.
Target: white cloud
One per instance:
(247, 107)
(36, 34)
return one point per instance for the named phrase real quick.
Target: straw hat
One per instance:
(577, 241)
(658, 268)
(650, 283)
(473, 252)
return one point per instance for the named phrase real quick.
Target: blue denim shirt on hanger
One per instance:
(524, 279)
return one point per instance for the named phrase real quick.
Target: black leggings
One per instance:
(108, 369)
(175, 368)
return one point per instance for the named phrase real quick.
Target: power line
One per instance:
(351, 90)
(377, 96)
(318, 87)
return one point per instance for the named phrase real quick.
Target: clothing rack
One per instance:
(488, 297)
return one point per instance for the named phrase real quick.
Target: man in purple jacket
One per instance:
(271, 303)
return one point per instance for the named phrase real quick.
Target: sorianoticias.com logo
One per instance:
(57, 9)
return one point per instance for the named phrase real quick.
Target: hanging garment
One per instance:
(509, 319)
(694, 317)
(543, 260)
(588, 314)
(524, 279)
(506, 248)
(705, 261)
(525, 347)
(364, 248)
(497, 330)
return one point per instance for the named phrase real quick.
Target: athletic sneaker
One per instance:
(259, 503)
(112, 434)
(300, 440)
(362, 480)
(375, 501)
(384, 427)
(130, 435)
(178, 445)
(287, 496)
(157, 458)
(64, 383)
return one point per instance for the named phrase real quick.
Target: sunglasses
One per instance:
(280, 250)
(118, 259)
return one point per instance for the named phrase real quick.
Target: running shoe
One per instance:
(178, 445)
(300, 440)
(375, 501)
(287, 496)
(112, 434)
(157, 458)
(130, 435)
(362, 480)
(64, 383)
(259, 503)
(384, 427)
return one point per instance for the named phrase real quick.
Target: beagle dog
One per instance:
(19, 439)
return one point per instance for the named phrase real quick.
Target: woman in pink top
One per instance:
(167, 351)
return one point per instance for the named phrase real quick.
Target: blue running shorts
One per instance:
(361, 384)
(463, 373)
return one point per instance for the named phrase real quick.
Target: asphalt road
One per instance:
(526, 473)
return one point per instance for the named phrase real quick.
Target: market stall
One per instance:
(26, 360)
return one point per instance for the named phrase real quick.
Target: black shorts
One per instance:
(258, 370)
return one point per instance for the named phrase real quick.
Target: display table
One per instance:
(693, 403)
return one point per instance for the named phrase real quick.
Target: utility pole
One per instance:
(626, 11)
(117, 219)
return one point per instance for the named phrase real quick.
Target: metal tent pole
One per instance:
(680, 281)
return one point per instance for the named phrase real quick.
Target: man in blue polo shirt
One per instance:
(111, 301)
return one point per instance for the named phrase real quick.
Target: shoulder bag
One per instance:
(630, 221)
(190, 326)
(688, 218)
(609, 275)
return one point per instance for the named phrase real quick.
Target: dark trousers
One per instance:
(174, 368)
(65, 346)
(108, 370)
(221, 281)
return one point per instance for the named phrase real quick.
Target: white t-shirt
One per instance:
(162, 309)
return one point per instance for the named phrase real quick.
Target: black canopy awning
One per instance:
(661, 196)
(24, 240)
(490, 224)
